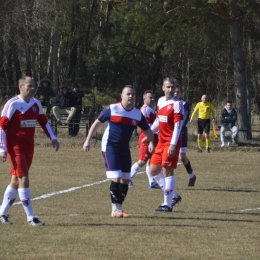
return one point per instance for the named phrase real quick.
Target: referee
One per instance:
(205, 108)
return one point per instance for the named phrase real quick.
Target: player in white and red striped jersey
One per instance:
(144, 155)
(17, 128)
(165, 157)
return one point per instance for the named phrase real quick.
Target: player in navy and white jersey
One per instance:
(122, 119)
(184, 138)
(17, 128)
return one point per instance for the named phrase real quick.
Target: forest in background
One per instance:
(210, 46)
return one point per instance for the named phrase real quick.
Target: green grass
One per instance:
(217, 219)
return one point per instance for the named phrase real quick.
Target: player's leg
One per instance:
(8, 199)
(186, 162)
(114, 173)
(24, 162)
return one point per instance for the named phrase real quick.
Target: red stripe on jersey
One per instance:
(124, 120)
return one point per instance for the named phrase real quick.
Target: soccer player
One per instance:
(17, 128)
(184, 141)
(165, 157)
(122, 119)
(144, 155)
(204, 107)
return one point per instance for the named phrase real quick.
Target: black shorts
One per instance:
(203, 124)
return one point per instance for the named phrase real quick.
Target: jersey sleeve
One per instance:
(43, 121)
(143, 124)
(105, 114)
(186, 115)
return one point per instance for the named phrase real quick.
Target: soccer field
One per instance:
(219, 218)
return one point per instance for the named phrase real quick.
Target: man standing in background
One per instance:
(204, 108)
(78, 95)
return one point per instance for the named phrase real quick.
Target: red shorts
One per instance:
(144, 155)
(160, 156)
(20, 163)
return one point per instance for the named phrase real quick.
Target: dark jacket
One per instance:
(231, 117)
(44, 94)
(78, 97)
(64, 100)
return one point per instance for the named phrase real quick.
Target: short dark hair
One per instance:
(229, 101)
(171, 79)
(146, 92)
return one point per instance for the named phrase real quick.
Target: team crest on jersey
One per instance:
(134, 122)
(169, 107)
(34, 109)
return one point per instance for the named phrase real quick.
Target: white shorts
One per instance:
(118, 174)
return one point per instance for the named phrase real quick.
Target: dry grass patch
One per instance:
(217, 219)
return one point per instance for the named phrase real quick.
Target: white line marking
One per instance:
(48, 195)
(244, 210)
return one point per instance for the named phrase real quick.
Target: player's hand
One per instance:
(3, 156)
(171, 151)
(55, 144)
(190, 121)
(86, 146)
(144, 140)
(213, 120)
(151, 147)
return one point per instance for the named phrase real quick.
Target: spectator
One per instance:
(122, 119)
(17, 129)
(204, 107)
(44, 93)
(64, 104)
(78, 95)
(228, 119)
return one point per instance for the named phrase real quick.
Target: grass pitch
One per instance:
(217, 219)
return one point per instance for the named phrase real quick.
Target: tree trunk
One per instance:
(244, 124)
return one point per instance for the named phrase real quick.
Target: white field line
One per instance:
(244, 210)
(48, 195)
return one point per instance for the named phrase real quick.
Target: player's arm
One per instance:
(2, 145)
(93, 129)
(186, 115)
(178, 117)
(150, 138)
(154, 129)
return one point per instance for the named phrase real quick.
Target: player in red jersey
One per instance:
(144, 155)
(17, 128)
(165, 157)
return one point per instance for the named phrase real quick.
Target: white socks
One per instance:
(160, 180)
(9, 198)
(134, 169)
(168, 191)
(148, 173)
(25, 197)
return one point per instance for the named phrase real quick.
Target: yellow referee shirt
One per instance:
(204, 110)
